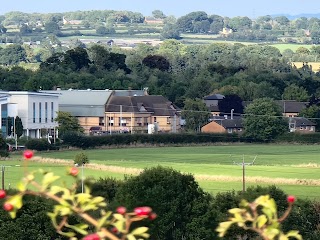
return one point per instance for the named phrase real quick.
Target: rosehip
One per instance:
(93, 236)
(28, 154)
(153, 216)
(8, 207)
(74, 171)
(121, 210)
(2, 194)
(291, 199)
(142, 211)
(114, 230)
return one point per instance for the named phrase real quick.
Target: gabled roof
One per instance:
(230, 123)
(157, 105)
(82, 97)
(301, 121)
(291, 106)
(214, 97)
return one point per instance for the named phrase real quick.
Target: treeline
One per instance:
(174, 70)
(264, 28)
(184, 210)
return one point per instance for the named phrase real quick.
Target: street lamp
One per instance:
(82, 177)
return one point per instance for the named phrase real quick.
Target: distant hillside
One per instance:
(292, 17)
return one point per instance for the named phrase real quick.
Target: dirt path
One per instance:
(216, 178)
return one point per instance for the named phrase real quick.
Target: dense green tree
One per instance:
(195, 113)
(230, 102)
(183, 209)
(158, 14)
(25, 29)
(68, 123)
(101, 30)
(156, 61)
(263, 120)
(18, 127)
(52, 27)
(12, 54)
(294, 92)
(170, 31)
(32, 221)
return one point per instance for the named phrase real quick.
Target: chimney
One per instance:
(145, 91)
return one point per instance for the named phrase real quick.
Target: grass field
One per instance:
(294, 168)
(293, 47)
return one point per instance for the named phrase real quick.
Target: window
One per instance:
(40, 112)
(34, 112)
(229, 130)
(155, 119)
(52, 112)
(168, 120)
(139, 121)
(101, 121)
(46, 112)
(145, 121)
(123, 122)
(110, 121)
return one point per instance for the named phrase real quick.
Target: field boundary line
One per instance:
(200, 177)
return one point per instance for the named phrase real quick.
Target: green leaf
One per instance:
(131, 237)
(103, 219)
(67, 234)
(80, 228)
(119, 217)
(48, 178)
(21, 186)
(223, 227)
(261, 221)
(295, 234)
(139, 231)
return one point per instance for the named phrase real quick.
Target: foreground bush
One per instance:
(184, 209)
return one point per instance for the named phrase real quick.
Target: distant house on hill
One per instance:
(225, 32)
(71, 22)
(152, 20)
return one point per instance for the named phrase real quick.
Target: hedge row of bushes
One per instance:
(84, 142)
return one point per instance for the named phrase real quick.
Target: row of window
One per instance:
(139, 121)
(40, 109)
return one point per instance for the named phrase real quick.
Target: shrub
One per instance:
(184, 210)
(81, 158)
(38, 144)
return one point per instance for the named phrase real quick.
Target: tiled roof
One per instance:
(158, 105)
(301, 121)
(214, 97)
(230, 123)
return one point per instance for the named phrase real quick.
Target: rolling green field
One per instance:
(294, 168)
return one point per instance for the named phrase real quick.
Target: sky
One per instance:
(230, 8)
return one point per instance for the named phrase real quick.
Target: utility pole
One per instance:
(120, 118)
(2, 175)
(82, 179)
(243, 175)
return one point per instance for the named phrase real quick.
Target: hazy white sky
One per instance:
(231, 8)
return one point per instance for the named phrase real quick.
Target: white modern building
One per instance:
(37, 111)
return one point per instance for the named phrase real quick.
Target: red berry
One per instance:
(74, 171)
(93, 236)
(28, 154)
(8, 207)
(121, 210)
(2, 194)
(153, 216)
(114, 230)
(291, 199)
(143, 211)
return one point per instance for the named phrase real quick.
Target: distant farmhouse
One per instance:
(71, 22)
(152, 20)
